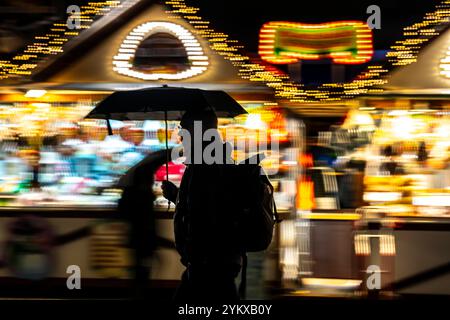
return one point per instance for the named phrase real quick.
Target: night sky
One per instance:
(242, 19)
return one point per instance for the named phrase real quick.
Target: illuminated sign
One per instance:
(196, 58)
(345, 42)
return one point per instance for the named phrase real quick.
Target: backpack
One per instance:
(245, 207)
(256, 212)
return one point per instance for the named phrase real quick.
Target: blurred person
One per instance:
(32, 158)
(132, 155)
(114, 147)
(14, 171)
(80, 153)
(136, 207)
(440, 171)
(422, 154)
(66, 151)
(202, 220)
(389, 165)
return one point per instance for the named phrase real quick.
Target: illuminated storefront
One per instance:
(58, 166)
(387, 189)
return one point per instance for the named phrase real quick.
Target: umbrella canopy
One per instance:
(164, 103)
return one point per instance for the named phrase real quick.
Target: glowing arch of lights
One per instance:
(196, 56)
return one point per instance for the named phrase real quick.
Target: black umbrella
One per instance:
(154, 103)
(164, 103)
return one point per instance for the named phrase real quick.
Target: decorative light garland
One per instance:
(445, 65)
(52, 42)
(403, 52)
(127, 50)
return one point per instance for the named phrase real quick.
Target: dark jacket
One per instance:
(203, 218)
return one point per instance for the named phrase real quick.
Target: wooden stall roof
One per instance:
(86, 64)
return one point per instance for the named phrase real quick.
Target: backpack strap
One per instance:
(243, 284)
(275, 212)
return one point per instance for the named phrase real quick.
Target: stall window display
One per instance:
(409, 166)
(404, 158)
(51, 156)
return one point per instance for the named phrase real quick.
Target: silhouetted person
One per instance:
(389, 164)
(202, 222)
(422, 154)
(136, 207)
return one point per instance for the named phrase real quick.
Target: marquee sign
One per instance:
(345, 42)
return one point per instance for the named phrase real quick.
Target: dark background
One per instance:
(242, 19)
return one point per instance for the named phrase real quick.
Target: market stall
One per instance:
(59, 171)
(382, 172)
(393, 153)
(406, 192)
